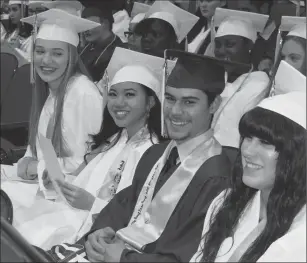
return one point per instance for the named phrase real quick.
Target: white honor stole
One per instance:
(150, 216)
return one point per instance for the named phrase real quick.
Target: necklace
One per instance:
(102, 50)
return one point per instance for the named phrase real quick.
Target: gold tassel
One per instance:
(278, 45)
(34, 34)
(164, 72)
(186, 47)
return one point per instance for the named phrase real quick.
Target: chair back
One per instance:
(6, 207)
(17, 104)
(9, 64)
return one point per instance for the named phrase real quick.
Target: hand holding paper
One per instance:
(76, 196)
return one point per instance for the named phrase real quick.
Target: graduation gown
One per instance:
(96, 59)
(289, 248)
(82, 116)
(238, 97)
(60, 222)
(182, 234)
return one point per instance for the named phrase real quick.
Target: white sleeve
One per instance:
(289, 248)
(82, 117)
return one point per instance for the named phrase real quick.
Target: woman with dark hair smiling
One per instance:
(262, 217)
(131, 124)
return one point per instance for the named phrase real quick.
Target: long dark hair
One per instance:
(287, 197)
(109, 128)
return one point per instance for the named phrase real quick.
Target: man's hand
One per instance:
(94, 249)
(76, 196)
(114, 250)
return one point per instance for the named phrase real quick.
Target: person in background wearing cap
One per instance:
(138, 13)
(165, 27)
(101, 41)
(173, 181)
(17, 32)
(34, 7)
(73, 108)
(262, 217)
(233, 42)
(199, 36)
(293, 50)
(131, 124)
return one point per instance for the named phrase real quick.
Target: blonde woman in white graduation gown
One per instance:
(131, 124)
(262, 218)
(234, 41)
(66, 105)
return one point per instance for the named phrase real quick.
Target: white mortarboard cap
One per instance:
(239, 23)
(296, 26)
(139, 8)
(181, 20)
(17, 2)
(138, 18)
(59, 25)
(72, 7)
(291, 105)
(37, 3)
(131, 66)
(288, 79)
(289, 22)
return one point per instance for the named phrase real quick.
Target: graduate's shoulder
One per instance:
(81, 85)
(217, 166)
(155, 151)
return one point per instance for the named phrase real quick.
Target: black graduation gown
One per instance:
(89, 57)
(182, 234)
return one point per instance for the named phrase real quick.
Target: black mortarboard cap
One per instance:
(200, 72)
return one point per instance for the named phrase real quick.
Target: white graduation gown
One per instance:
(82, 116)
(121, 24)
(195, 45)
(26, 48)
(234, 105)
(289, 248)
(59, 222)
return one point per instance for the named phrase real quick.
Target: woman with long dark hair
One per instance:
(262, 217)
(131, 124)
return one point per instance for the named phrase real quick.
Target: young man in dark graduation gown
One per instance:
(159, 218)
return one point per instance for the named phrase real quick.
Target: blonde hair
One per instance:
(39, 96)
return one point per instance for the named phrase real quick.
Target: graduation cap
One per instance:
(288, 79)
(17, 2)
(131, 66)
(296, 26)
(72, 7)
(138, 12)
(238, 23)
(181, 20)
(291, 105)
(56, 24)
(38, 3)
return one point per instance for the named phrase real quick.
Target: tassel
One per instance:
(212, 34)
(34, 35)
(186, 45)
(163, 130)
(278, 45)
